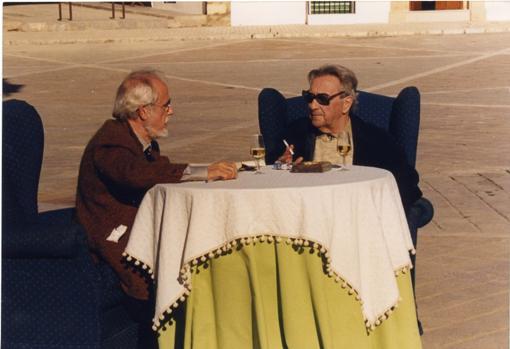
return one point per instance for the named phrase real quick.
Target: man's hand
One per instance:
(221, 170)
(286, 158)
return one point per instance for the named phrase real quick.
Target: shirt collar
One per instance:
(144, 143)
(328, 137)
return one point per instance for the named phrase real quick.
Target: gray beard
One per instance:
(153, 134)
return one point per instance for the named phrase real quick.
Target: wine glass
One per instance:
(257, 150)
(343, 145)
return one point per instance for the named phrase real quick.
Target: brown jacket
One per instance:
(114, 176)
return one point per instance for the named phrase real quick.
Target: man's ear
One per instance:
(347, 104)
(143, 113)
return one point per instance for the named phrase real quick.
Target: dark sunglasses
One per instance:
(322, 98)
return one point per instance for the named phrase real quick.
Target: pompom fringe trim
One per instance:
(160, 321)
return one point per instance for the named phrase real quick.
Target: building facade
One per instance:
(366, 12)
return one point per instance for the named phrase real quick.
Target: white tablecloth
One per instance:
(356, 216)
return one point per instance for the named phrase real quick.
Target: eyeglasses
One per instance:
(165, 106)
(322, 98)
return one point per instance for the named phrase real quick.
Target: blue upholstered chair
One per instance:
(400, 116)
(53, 295)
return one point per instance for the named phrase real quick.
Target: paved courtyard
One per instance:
(463, 153)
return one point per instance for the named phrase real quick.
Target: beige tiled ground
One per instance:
(463, 157)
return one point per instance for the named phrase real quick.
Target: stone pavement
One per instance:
(463, 155)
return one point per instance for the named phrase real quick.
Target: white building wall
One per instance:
(497, 10)
(366, 12)
(295, 12)
(267, 12)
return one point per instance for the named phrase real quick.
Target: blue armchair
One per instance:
(53, 294)
(400, 116)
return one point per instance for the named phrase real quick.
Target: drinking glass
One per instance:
(343, 145)
(257, 150)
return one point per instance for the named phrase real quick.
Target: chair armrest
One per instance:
(57, 217)
(43, 241)
(420, 213)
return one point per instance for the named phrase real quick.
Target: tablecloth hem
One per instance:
(371, 322)
(138, 262)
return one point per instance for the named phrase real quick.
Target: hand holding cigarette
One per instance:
(287, 156)
(288, 147)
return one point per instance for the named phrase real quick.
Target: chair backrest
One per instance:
(400, 116)
(22, 153)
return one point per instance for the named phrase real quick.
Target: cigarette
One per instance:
(288, 146)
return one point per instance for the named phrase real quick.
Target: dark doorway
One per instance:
(435, 5)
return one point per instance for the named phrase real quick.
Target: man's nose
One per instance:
(313, 105)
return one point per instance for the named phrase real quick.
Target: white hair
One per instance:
(136, 90)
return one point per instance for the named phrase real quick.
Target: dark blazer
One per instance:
(372, 147)
(114, 176)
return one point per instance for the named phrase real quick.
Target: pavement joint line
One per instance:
(175, 51)
(206, 82)
(40, 59)
(175, 144)
(487, 169)
(458, 253)
(501, 214)
(430, 261)
(429, 296)
(437, 70)
(462, 105)
(485, 334)
(453, 206)
(438, 226)
(474, 300)
(214, 83)
(465, 258)
(278, 60)
(442, 291)
(492, 182)
(468, 235)
(370, 46)
(466, 90)
(69, 65)
(40, 72)
(95, 66)
(434, 222)
(479, 315)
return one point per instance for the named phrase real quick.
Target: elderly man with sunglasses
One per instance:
(120, 163)
(330, 98)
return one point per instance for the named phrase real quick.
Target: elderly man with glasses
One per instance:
(120, 163)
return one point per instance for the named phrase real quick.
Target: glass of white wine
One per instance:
(257, 150)
(343, 145)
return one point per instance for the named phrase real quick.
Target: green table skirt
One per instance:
(273, 296)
